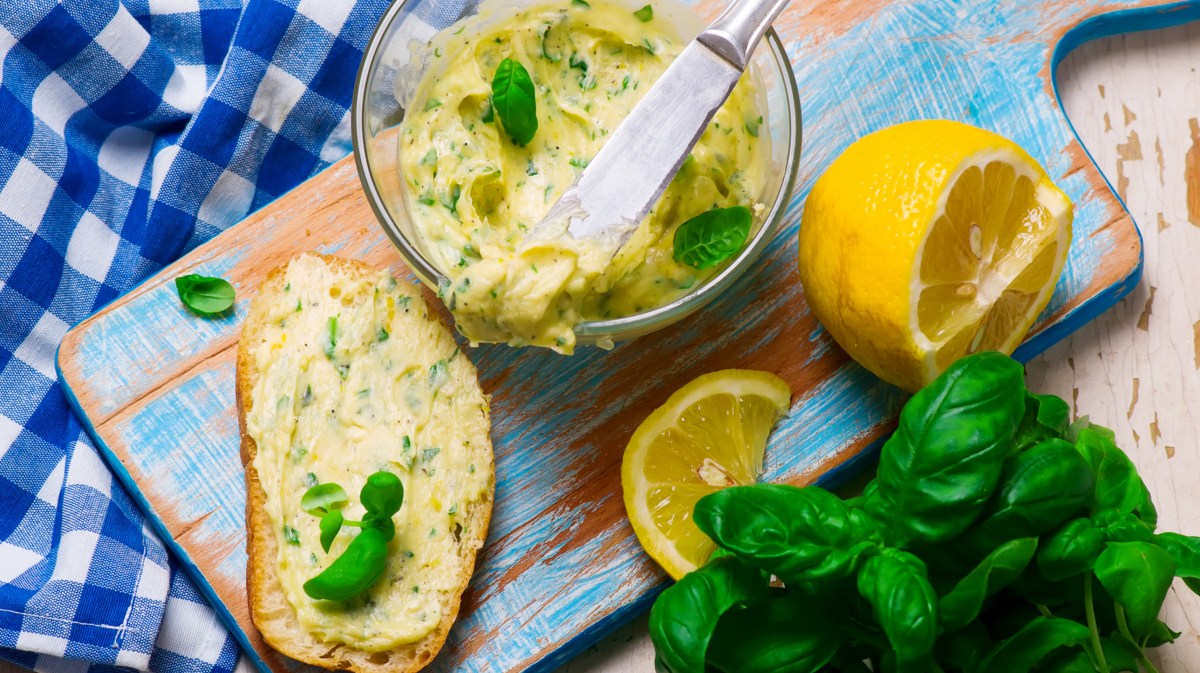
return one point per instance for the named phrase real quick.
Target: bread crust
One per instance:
(272, 614)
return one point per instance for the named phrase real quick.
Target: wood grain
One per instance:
(561, 566)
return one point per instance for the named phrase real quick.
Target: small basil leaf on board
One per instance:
(999, 569)
(323, 498)
(944, 460)
(1041, 636)
(897, 587)
(798, 534)
(514, 101)
(1039, 489)
(383, 494)
(712, 237)
(1118, 486)
(205, 295)
(684, 617)
(790, 634)
(354, 571)
(331, 523)
(1137, 575)
(1070, 551)
(1186, 553)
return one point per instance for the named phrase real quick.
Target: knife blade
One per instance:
(625, 179)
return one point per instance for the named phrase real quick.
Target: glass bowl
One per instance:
(394, 61)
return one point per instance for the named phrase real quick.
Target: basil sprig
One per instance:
(997, 538)
(365, 558)
(205, 295)
(712, 237)
(514, 102)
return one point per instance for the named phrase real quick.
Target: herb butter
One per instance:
(475, 194)
(356, 376)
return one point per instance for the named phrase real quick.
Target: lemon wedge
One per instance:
(709, 435)
(929, 241)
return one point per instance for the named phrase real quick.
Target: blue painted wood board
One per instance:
(155, 385)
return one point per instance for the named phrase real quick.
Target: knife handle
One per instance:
(738, 29)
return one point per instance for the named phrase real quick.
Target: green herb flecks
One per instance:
(753, 125)
(645, 14)
(331, 338)
(291, 535)
(439, 375)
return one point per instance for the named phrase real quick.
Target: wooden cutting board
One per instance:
(155, 385)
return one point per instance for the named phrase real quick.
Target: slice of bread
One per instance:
(272, 611)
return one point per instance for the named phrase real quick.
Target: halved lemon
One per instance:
(709, 435)
(929, 241)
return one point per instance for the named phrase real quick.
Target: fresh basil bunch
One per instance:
(365, 558)
(996, 539)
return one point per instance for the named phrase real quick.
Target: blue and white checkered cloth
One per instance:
(131, 132)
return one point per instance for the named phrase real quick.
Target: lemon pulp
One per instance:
(989, 262)
(711, 434)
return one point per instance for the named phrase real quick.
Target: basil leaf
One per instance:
(1070, 551)
(798, 534)
(896, 585)
(938, 470)
(1118, 486)
(1039, 489)
(783, 635)
(1160, 634)
(1041, 636)
(354, 571)
(514, 101)
(383, 494)
(685, 616)
(1073, 660)
(331, 523)
(1186, 553)
(710, 238)
(204, 295)
(645, 14)
(999, 569)
(323, 498)
(1046, 417)
(1137, 575)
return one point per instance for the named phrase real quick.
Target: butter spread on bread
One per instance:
(343, 371)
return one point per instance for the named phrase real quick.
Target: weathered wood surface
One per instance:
(561, 566)
(1135, 101)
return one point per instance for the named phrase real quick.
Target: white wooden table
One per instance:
(1135, 102)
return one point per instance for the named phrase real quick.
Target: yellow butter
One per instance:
(475, 195)
(391, 392)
